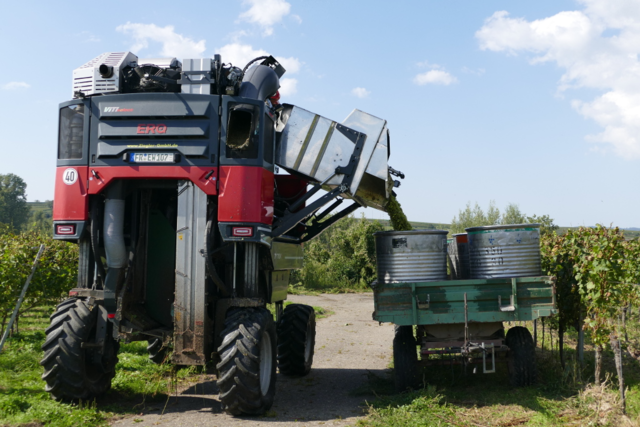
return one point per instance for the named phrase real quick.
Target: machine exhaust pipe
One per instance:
(105, 71)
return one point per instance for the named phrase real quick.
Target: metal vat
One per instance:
(411, 256)
(459, 257)
(504, 251)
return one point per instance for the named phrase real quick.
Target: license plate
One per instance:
(152, 158)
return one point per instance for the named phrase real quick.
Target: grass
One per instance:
(22, 396)
(560, 397)
(302, 289)
(138, 381)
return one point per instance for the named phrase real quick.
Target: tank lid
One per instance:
(409, 233)
(506, 227)
(459, 234)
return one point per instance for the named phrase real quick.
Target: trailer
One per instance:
(455, 321)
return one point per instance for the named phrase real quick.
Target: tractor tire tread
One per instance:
(521, 357)
(64, 358)
(297, 321)
(405, 358)
(158, 352)
(239, 366)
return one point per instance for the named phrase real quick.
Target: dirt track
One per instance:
(349, 346)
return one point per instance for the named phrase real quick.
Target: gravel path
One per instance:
(349, 347)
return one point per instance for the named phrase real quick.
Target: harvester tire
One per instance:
(521, 358)
(405, 358)
(157, 350)
(296, 340)
(247, 368)
(70, 369)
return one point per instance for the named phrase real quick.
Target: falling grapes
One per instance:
(399, 220)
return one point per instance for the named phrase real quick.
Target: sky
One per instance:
(531, 103)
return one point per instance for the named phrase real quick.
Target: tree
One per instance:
(546, 224)
(475, 217)
(41, 222)
(13, 201)
(512, 215)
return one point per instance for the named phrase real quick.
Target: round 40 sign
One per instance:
(70, 176)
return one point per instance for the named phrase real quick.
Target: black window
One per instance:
(243, 132)
(71, 132)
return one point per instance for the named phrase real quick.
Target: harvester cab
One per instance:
(166, 179)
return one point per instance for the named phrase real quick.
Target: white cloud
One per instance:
(88, 37)
(265, 13)
(577, 42)
(476, 72)
(427, 64)
(15, 86)
(173, 44)
(240, 54)
(288, 87)
(360, 92)
(291, 64)
(438, 77)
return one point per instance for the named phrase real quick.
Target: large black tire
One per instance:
(157, 350)
(405, 358)
(247, 368)
(296, 340)
(71, 371)
(521, 359)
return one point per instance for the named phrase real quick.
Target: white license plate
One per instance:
(152, 158)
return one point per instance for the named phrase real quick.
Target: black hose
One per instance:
(93, 231)
(252, 61)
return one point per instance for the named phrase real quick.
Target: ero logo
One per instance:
(147, 129)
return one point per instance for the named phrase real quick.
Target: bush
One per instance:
(342, 258)
(56, 273)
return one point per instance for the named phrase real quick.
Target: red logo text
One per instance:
(147, 129)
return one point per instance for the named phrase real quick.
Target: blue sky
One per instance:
(533, 103)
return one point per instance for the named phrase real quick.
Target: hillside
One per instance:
(46, 206)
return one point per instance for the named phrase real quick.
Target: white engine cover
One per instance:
(88, 80)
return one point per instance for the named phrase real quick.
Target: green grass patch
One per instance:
(23, 399)
(318, 288)
(561, 397)
(138, 381)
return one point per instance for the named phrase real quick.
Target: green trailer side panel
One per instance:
(432, 303)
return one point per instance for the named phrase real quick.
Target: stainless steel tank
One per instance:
(504, 251)
(452, 255)
(459, 256)
(411, 256)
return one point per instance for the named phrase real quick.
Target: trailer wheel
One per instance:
(521, 358)
(405, 358)
(157, 350)
(72, 370)
(247, 368)
(296, 340)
